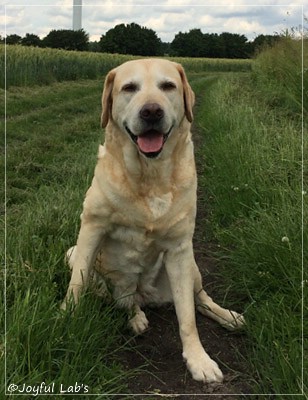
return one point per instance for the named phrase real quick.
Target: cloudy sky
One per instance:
(165, 17)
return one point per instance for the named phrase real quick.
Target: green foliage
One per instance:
(131, 39)
(136, 40)
(67, 39)
(234, 45)
(31, 40)
(191, 44)
(13, 39)
(252, 178)
(196, 44)
(279, 71)
(264, 41)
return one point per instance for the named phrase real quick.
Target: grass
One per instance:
(281, 73)
(203, 65)
(253, 180)
(252, 166)
(52, 138)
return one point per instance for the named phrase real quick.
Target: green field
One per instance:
(34, 66)
(250, 125)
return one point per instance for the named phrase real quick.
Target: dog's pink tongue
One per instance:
(150, 142)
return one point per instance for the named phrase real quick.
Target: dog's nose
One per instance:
(151, 112)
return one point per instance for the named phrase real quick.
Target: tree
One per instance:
(31, 40)
(67, 39)
(214, 46)
(179, 45)
(189, 44)
(198, 49)
(13, 39)
(94, 47)
(197, 44)
(262, 41)
(165, 48)
(234, 45)
(131, 39)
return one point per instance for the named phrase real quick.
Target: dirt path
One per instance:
(158, 352)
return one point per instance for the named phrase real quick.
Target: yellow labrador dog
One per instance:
(139, 213)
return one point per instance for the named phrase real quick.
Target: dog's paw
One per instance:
(203, 368)
(66, 305)
(236, 321)
(139, 322)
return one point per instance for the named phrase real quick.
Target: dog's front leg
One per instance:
(89, 241)
(179, 266)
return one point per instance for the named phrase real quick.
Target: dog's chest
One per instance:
(131, 249)
(159, 206)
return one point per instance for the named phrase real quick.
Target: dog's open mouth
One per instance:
(151, 142)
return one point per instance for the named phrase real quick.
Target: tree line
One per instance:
(137, 40)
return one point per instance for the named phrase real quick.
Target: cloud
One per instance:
(167, 18)
(157, 24)
(9, 20)
(110, 12)
(165, 25)
(237, 25)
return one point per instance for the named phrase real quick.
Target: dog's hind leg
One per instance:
(230, 320)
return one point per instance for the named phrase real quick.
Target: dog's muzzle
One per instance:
(151, 141)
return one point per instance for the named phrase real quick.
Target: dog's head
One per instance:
(148, 100)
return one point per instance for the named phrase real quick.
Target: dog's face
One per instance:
(147, 100)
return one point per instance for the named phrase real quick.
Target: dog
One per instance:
(139, 213)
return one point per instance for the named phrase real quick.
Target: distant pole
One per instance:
(77, 15)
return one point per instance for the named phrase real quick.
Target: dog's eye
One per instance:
(130, 87)
(167, 86)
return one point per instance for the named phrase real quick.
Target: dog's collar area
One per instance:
(155, 136)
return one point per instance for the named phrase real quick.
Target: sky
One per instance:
(165, 17)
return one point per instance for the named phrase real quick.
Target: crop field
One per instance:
(35, 66)
(251, 151)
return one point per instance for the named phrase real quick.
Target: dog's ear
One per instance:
(107, 98)
(189, 96)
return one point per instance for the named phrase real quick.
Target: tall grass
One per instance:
(253, 176)
(28, 66)
(201, 65)
(45, 188)
(281, 71)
